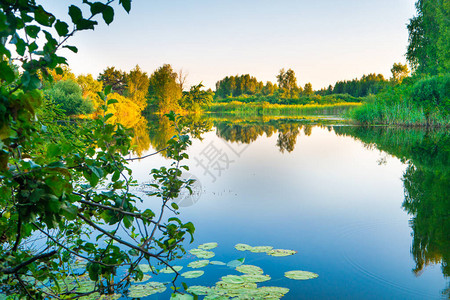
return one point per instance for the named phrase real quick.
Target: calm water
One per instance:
(366, 208)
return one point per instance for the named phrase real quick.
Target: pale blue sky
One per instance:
(322, 41)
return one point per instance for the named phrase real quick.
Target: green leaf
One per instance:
(71, 48)
(108, 14)
(42, 17)
(75, 14)
(108, 89)
(32, 30)
(300, 275)
(126, 4)
(112, 101)
(97, 7)
(62, 28)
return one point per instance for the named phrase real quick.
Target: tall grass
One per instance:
(266, 109)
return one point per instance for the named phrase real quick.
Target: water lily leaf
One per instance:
(300, 275)
(202, 253)
(227, 286)
(110, 297)
(193, 274)
(255, 277)
(144, 279)
(234, 279)
(281, 252)
(181, 297)
(273, 291)
(168, 270)
(261, 249)
(208, 246)
(199, 290)
(217, 263)
(144, 290)
(235, 263)
(145, 268)
(249, 269)
(243, 247)
(198, 264)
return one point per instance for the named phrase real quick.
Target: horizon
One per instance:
(214, 40)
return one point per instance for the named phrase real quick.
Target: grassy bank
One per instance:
(425, 102)
(266, 109)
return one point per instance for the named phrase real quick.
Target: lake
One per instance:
(366, 208)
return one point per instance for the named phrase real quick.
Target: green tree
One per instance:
(196, 98)
(429, 37)
(308, 90)
(137, 86)
(117, 79)
(163, 90)
(399, 72)
(69, 96)
(287, 83)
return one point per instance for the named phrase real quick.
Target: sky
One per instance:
(323, 41)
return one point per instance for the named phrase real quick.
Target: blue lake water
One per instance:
(319, 190)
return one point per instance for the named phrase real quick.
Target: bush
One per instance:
(69, 96)
(432, 93)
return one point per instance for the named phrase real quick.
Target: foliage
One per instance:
(91, 88)
(69, 96)
(67, 184)
(235, 86)
(367, 84)
(288, 84)
(137, 86)
(164, 91)
(117, 79)
(429, 37)
(399, 72)
(195, 99)
(433, 94)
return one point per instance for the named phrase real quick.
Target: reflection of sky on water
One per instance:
(329, 199)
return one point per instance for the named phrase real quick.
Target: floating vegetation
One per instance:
(145, 290)
(144, 279)
(234, 279)
(281, 252)
(300, 275)
(168, 270)
(193, 274)
(261, 249)
(145, 268)
(255, 278)
(217, 263)
(208, 246)
(199, 290)
(243, 247)
(249, 269)
(181, 297)
(200, 253)
(236, 263)
(198, 264)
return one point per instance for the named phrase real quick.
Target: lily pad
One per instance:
(208, 246)
(111, 297)
(255, 278)
(193, 274)
(198, 264)
(217, 263)
(243, 247)
(249, 269)
(144, 279)
(199, 290)
(261, 249)
(234, 279)
(202, 253)
(145, 268)
(281, 252)
(168, 270)
(181, 297)
(236, 263)
(300, 275)
(144, 290)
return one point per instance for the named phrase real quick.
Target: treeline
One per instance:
(246, 88)
(424, 98)
(135, 90)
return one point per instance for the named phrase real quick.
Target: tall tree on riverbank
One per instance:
(163, 90)
(429, 37)
(287, 83)
(137, 86)
(117, 79)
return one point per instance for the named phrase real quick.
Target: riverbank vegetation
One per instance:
(424, 98)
